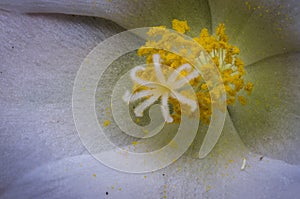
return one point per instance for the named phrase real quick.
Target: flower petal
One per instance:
(274, 29)
(217, 176)
(127, 13)
(233, 13)
(270, 122)
(259, 28)
(40, 56)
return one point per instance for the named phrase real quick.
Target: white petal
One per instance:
(281, 180)
(177, 71)
(40, 56)
(259, 28)
(271, 34)
(127, 13)
(76, 174)
(219, 175)
(270, 122)
(144, 105)
(216, 176)
(165, 108)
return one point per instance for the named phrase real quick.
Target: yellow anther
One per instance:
(180, 26)
(242, 100)
(106, 123)
(249, 87)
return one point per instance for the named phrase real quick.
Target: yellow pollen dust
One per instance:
(106, 123)
(224, 55)
(180, 26)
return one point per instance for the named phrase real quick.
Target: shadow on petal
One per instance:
(273, 29)
(259, 28)
(269, 123)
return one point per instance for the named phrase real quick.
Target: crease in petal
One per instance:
(127, 13)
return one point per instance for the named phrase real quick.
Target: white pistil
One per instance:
(161, 90)
(185, 100)
(165, 106)
(159, 73)
(177, 71)
(139, 110)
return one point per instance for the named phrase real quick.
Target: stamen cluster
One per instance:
(224, 55)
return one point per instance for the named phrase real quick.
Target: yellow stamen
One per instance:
(180, 26)
(224, 55)
(242, 100)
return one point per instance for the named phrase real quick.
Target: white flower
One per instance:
(163, 89)
(267, 33)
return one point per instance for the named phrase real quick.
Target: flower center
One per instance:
(224, 55)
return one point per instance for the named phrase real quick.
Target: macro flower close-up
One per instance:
(47, 45)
